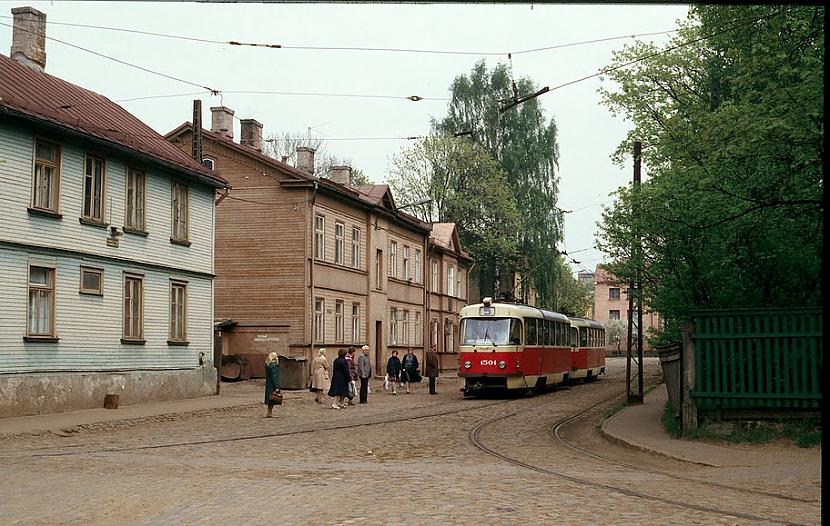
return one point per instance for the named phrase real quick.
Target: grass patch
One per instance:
(670, 423)
(803, 433)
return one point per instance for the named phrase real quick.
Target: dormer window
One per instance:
(208, 163)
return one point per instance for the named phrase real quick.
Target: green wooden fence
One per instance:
(757, 359)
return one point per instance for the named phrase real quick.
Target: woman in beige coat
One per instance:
(320, 376)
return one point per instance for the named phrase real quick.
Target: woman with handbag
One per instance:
(273, 395)
(340, 379)
(393, 370)
(320, 376)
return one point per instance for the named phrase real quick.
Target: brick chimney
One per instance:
(29, 37)
(251, 134)
(221, 121)
(341, 175)
(305, 159)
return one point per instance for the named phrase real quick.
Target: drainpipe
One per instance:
(309, 225)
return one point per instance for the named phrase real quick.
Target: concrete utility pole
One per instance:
(634, 286)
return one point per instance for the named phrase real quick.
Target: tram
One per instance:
(515, 347)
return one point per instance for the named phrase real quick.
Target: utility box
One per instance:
(293, 372)
(670, 362)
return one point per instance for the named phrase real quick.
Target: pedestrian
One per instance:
(320, 376)
(339, 379)
(352, 375)
(272, 381)
(364, 371)
(393, 370)
(431, 368)
(410, 369)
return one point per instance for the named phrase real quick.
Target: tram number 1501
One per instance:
(488, 362)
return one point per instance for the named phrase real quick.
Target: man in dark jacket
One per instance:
(364, 372)
(352, 374)
(431, 368)
(410, 368)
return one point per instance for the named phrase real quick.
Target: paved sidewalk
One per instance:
(640, 426)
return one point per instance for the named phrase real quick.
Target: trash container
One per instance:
(670, 362)
(293, 372)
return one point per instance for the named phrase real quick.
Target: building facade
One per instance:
(106, 250)
(611, 303)
(304, 262)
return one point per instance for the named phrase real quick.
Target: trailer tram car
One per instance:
(587, 349)
(514, 347)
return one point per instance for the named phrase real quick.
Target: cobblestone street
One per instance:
(413, 462)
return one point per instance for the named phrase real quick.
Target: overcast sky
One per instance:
(588, 134)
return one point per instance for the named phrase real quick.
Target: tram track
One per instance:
(477, 441)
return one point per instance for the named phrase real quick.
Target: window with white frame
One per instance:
(379, 269)
(449, 341)
(339, 243)
(208, 163)
(355, 247)
(178, 311)
(319, 319)
(450, 280)
(133, 307)
(180, 212)
(435, 280)
(41, 316)
(355, 322)
(393, 326)
(393, 259)
(417, 328)
(433, 332)
(405, 265)
(136, 181)
(458, 282)
(338, 321)
(93, 192)
(405, 327)
(46, 175)
(319, 237)
(419, 272)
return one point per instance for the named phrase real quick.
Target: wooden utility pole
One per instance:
(196, 144)
(634, 287)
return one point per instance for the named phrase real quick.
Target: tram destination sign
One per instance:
(486, 311)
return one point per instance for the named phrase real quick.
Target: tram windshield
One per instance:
(491, 331)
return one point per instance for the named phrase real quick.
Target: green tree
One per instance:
(615, 332)
(467, 187)
(732, 133)
(524, 144)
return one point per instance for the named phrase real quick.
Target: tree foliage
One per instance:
(732, 133)
(524, 144)
(466, 186)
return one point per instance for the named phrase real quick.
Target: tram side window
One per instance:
(602, 338)
(530, 323)
(515, 332)
(557, 334)
(548, 332)
(561, 334)
(583, 338)
(574, 336)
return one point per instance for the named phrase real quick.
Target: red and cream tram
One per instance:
(587, 349)
(512, 346)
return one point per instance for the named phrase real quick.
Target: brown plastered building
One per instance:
(611, 302)
(448, 272)
(304, 262)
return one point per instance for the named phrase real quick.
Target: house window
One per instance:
(41, 317)
(458, 283)
(419, 272)
(133, 307)
(355, 247)
(379, 269)
(355, 322)
(449, 336)
(180, 212)
(417, 328)
(435, 280)
(46, 175)
(393, 259)
(613, 293)
(405, 327)
(92, 281)
(339, 243)
(450, 280)
(405, 262)
(338, 321)
(135, 199)
(613, 315)
(433, 333)
(208, 163)
(178, 311)
(319, 318)
(393, 326)
(319, 238)
(94, 184)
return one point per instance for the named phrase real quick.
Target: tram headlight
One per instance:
(468, 364)
(502, 364)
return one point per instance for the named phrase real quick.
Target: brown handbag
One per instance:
(276, 397)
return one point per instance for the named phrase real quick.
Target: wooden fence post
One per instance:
(688, 406)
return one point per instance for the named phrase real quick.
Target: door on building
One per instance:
(380, 363)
